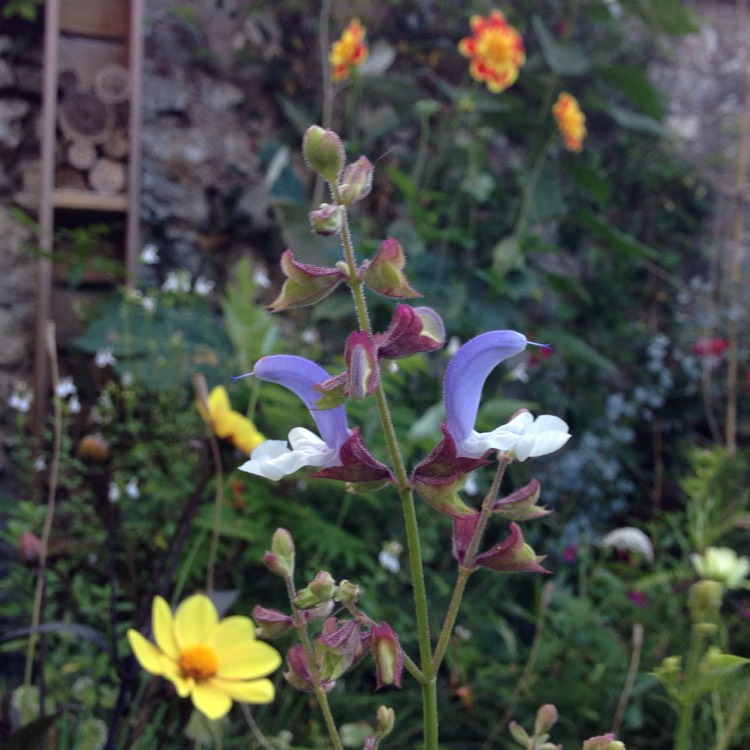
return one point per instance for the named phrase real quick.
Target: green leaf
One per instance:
(593, 181)
(636, 85)
(564, 59)
(617, 239)
(714, 670)
(671, 17)
(577, 349)
(637, 122)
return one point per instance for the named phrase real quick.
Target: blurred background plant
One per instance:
(599, 252)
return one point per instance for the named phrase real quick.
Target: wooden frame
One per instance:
(89, 24)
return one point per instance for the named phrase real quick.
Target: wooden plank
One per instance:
(89, 200)
(103, 18)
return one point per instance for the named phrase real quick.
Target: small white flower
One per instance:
(65, 388)
(150, 255)
(260, 277)
(131, 488)
(722, 564)
(21, 397)
(388, 556)
(74, 404)
(454, 344)
(203, 286)
(630, 538)
(149, 304)
(40, 463)
(127, 379)
(176, 281)
(105, 358)
(113, 495)
(471, 487)
(310, 336)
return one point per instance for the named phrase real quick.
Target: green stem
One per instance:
(429, 689)
(732, 724)
(320, 695)
(464, 571)
(688, 701)
(36, 614)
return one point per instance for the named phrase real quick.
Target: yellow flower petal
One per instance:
(161, 622)
(211, 700)
(252, 691)
(230, 633)
(183, 685)
(248, 662)
(149, 657)
(221, 411)
(244, 433)
(194, 620)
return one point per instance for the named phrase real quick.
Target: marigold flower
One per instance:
(348, 52)
(496, 51)
(570, 120)
(212, 661)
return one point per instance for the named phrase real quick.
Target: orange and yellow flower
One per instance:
(229, 424)
(348, 52)
(212, 661)
(496, 51)
(570, 120)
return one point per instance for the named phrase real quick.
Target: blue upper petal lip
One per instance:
(467, 372)
(299, 375)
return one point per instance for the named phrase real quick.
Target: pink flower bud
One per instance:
(356, 182)
(323, 586)
(29, 549)
(271, 623)
(389, 658)
(298, 675)
(326, 220)
(280, 559)
(546, 718)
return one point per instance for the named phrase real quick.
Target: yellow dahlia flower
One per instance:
(229, 424)
(212, 661)
(496, 51)
(570, 120)
(348, 52)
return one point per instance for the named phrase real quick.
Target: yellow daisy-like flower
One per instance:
(229, 424)
(212, 661)
(570, 120)
(348, 52)
(496, 51)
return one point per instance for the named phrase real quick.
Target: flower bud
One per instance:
(280, 559)
(305, 599)
(512, 555)
(323, 152)
(704, 601)
(271, 623)
(327, 220)
(29, 549)
(603, 742)
(348, 592)
(356, 182)
(298, 675)
(546, 717)
(386, 720)
(389, 658)
(323, 586)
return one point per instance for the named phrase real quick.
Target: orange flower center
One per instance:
(199, 662)
(495, 47)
